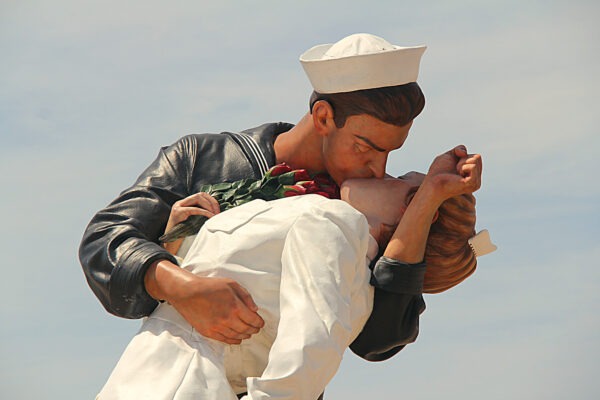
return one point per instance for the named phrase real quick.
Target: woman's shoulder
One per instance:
(317, 206)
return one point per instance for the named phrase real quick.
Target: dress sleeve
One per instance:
(121, 241)
(325, 299)
(398, 304)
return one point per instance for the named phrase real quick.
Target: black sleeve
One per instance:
(120, 242)
(398, 303)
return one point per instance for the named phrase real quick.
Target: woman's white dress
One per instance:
(304, 261)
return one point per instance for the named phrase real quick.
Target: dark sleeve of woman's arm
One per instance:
(398, 303)
(120, 242)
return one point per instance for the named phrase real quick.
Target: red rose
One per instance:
(333, 191)
(301, 175)
(311, 187)
(323, 179)
(278, 170)
(293, 190)
(329, 191)
(325, 195)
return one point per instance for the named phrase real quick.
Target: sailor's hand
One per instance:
(218, 308)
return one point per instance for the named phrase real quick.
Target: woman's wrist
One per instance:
(173, 247)
(431, 193)
(409, 240)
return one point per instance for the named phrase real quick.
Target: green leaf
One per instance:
(287, 178)
(189, 227)
(220, 187)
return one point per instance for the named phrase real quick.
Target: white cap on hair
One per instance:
(481, 244)
(360, 61)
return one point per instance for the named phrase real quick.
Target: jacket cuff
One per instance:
(127, 280)
(398, 277)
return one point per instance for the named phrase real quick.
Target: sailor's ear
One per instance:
(322, 116)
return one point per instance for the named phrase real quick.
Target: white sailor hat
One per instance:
(360, 61)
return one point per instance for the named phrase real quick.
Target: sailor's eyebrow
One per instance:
(370, 143)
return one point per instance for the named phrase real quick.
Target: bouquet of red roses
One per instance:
(279, 181)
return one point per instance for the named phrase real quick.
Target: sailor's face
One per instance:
(361, 147)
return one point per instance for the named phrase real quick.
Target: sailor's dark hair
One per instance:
(395, 105)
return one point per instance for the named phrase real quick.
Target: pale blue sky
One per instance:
(89, 91)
